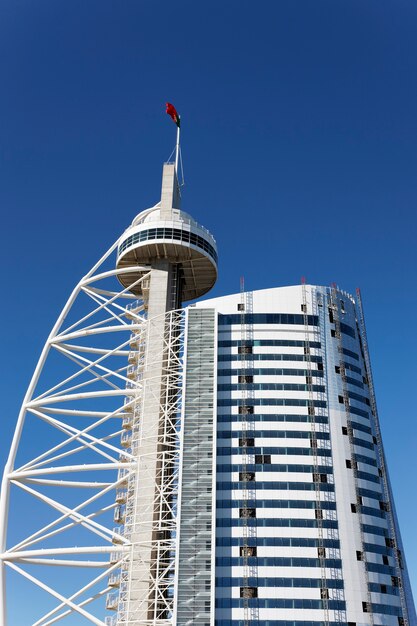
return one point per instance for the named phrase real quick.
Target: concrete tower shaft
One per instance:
(179, 260)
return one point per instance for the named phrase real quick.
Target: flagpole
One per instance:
(177, 150)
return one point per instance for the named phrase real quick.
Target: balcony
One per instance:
(121, 496)
(131, 372)
(126, 439)
(127, 422)
(114, 580)
(115, 557)
(118, 534)
(112, 601)
(119, 515)
(122, 476)
(134, 341)
(132, 310)
(133, 356)
(128, 404)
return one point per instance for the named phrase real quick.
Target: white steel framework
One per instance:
(74, 461)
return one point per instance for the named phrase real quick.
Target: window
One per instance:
(246, 410)
(348, 463)
(341, 400)
(366, 608)
(337, 369)
(383, 589)
(400, 559)
(320, 367)
(313, 440)
(385, 559)
(395, 581)
(248, 551)
(324, 593)
(245, 378)
(247, 512)
(304, 308)
(389, 542)
(344, 430)
(311, 410)
(374, 439)
(331, 317)
(262, 459)
(359, 555)
(319, 514)
(240, 306)
(384, 506)
(246, 442)
(246, 476)
(244, 350)
(319, 478)
(353, 508)
(248, 592)
(321, 552)
(309, 380)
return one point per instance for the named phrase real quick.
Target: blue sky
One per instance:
(300, 155)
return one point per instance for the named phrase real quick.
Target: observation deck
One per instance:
(179, 240)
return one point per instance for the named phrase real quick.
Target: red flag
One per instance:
(172, 112)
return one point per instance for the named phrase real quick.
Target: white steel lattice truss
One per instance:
(76, 459)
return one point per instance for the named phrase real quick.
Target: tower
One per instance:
(179, 260)
(108, 390)
(214, 465)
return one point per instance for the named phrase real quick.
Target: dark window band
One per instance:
(274, 485)
(275, 522)
(273, 417)
(227, 451)
(275, 467)
(274, 434)
(269, 387)
(271, 371)
(278, 561)
(298, 343)
(314, 358)
(267, 318)
(272, 402)
(175, 234)
(225, 581)
(282, 603)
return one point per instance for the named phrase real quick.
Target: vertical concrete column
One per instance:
(141, 601)
(144, 536)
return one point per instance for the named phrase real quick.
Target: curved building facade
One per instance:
(280, 413)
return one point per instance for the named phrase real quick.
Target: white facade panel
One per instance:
(330, 544)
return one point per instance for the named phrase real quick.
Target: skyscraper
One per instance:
(220, 464)
(305, 524)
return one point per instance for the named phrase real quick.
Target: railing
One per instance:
(115, 557)
(112, 601)
(176, 218)
(121, 495)
(118, 534)
(114, 580)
